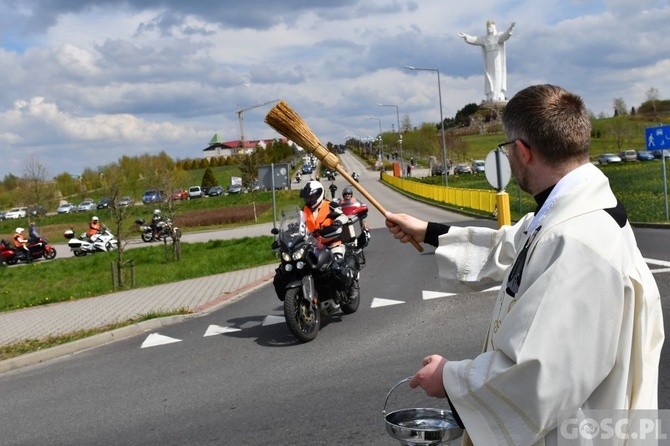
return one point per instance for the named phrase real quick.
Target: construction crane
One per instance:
(239, 117)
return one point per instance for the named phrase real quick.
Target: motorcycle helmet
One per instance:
(94, 218)
(347, 191)
(19, 230)
(312, 193)
(157, 212)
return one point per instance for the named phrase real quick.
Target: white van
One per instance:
(195, 192)
(628, 155)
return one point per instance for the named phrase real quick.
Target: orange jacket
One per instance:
(320, 220)
(93, 229)
(19, 241)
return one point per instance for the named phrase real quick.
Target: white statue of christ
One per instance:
(493, 53)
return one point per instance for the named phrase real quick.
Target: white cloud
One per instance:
(86, 82)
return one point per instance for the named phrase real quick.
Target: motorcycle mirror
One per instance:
(274, 231)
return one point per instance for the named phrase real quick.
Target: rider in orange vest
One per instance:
(320, 214)
(93, 227)
(21, 245)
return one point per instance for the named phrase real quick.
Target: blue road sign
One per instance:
(657, 138)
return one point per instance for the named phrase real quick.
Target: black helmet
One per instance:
(347, 191)
(312, 193)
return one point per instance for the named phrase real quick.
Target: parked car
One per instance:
(235, 189)
(104, 203)
(215, 191)
(628, 155)
(86, 205)
(66, 208)
(195, 192)
(644, 155)
(608, 158)
(153, 196)
(462, 169)
(2, 215)
(478, 166)
(179, 194)
(659, 153)
(126, 201)
(16, 213)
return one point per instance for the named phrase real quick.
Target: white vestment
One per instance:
(583, 330)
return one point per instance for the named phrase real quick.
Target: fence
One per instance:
(480, 200)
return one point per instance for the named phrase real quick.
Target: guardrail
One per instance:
(477, 199)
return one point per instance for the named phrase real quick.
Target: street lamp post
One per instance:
(444, 144)
(381, 144)
(397, 114)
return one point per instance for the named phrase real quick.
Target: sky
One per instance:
(85, 82)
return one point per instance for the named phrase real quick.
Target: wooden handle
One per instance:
(370, 198)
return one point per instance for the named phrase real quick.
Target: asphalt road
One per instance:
(236, 376)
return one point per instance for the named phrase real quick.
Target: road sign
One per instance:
(657, 138)
(497, 169)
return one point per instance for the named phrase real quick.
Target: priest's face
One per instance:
(518, 169)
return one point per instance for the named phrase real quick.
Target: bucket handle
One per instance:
(402, 381)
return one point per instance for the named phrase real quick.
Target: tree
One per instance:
(208, 179)
(36, 190)
(406, 124)
(620, 108)
(249, 168)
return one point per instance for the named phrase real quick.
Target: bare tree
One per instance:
(36, 190)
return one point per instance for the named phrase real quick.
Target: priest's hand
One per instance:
(430, 376)
(404, 227)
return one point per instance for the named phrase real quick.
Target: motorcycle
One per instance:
(103, 241)
(355, 176)
(37, 248)
(298, 177)
(162, 231)
(308, 279)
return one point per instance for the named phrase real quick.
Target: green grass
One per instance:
(78, 278)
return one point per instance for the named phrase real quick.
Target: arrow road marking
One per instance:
(155, 339)
(435, 294)
(378, 302)
(271, 320)
(213, 330)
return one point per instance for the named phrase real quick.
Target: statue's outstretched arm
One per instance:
(468, 38)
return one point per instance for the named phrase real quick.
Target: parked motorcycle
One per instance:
(307, 279)
(38, 249)
(164, 229)
(103, 241)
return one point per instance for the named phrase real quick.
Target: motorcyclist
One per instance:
(21, 245)
(33, 235)
(320, 214)
(155, 220)
(93, 227)
(348, 197)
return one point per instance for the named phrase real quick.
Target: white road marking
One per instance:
(155, 339)
(435, 294)
(213, 330)
(271, 320)
(377, 302)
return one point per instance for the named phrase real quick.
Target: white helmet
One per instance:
(94, 218)
(19, 230)
(312, 193)
(157, 212)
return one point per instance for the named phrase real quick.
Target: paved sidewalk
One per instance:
(198, 295)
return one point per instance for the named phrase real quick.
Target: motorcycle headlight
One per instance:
(300, 265)
(286, 257)
(299, 254)
(288, 267)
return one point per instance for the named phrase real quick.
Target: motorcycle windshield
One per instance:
(292, 227)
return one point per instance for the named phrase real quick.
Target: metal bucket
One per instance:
(421, 426)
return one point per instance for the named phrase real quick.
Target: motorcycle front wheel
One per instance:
(303, 318)
(50, 254)
(147, 236)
